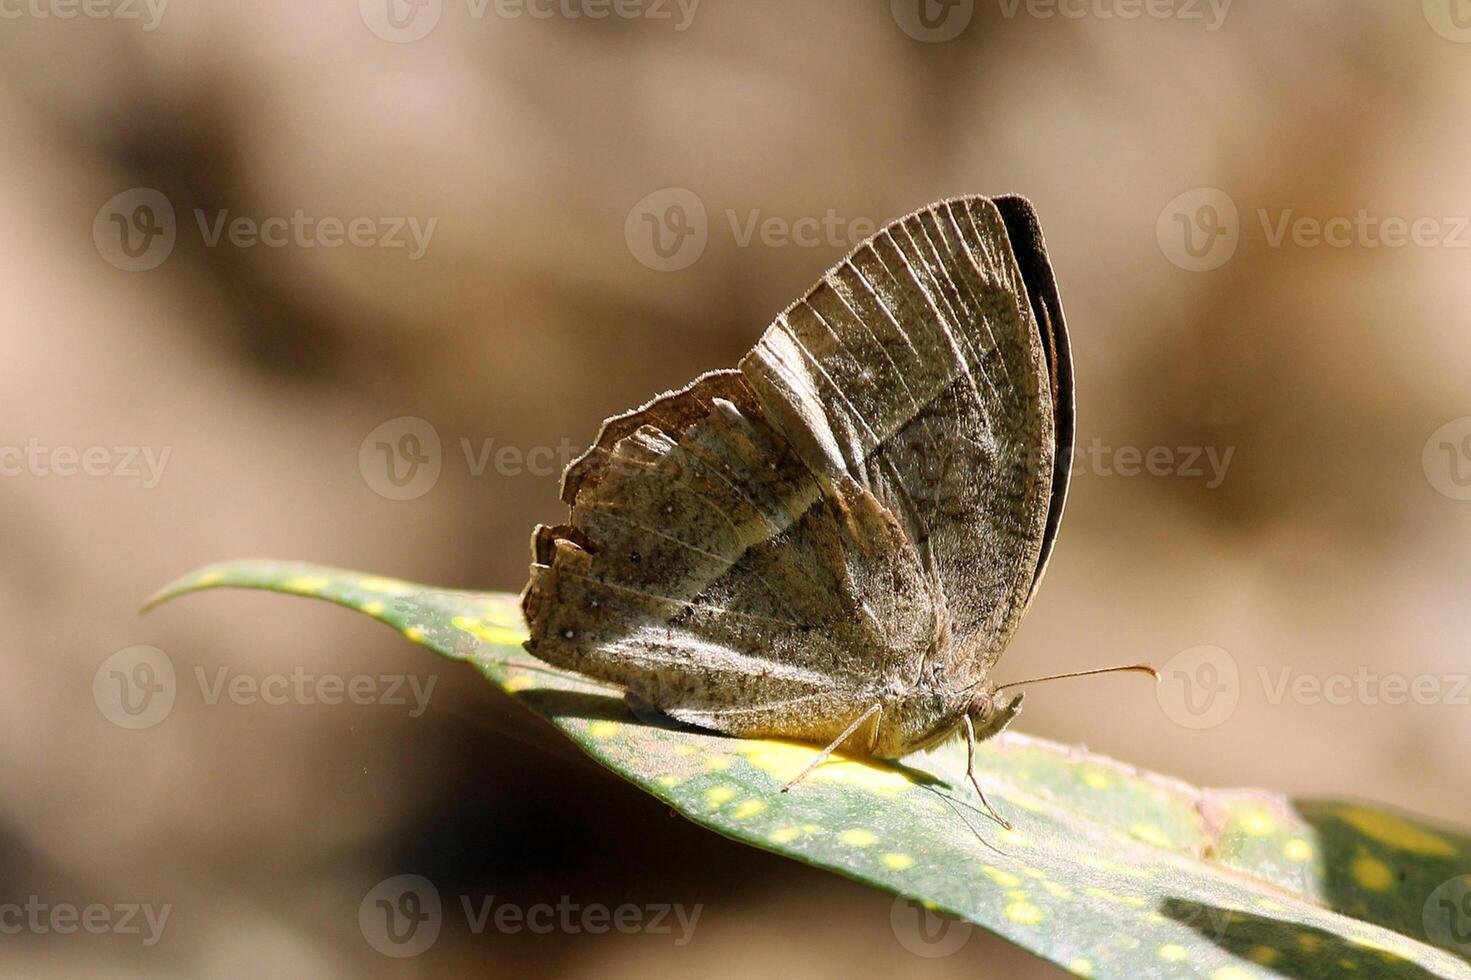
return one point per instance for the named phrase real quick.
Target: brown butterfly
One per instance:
(836, 540)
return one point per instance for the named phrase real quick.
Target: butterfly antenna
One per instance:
(1141, 668)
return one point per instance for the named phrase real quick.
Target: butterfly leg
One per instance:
(970, 772)
(821, 757)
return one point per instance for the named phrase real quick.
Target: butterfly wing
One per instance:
(859, 509)
(1027, 245)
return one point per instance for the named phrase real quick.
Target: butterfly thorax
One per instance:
(922, 717)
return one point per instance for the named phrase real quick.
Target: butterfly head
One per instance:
(991, 710)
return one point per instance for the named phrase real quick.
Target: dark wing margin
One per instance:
(1030, 249)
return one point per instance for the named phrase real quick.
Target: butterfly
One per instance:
(835, 540)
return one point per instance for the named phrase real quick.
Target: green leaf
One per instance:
(1109, 871)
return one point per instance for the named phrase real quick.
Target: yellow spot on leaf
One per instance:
(1096, 779)
(1150, 834)
(786, 760)
(520, 682)
(719, 795)
(210, 578)
(374, 608)
(1391, 830)
(415, 634)
(1308, 943)
(1372, 873)
(1003, 878)
(1024, 913)
(1257, 823)
(898, 861)
(784, 834)
(604, 729)
(1055, 890)
(307, 583)
(1014, 837)
(1265, 955)
(857, 837)
(1173, 953)
(748, 808)
(1298, 849)
(377, 583)
(668, 781)
(1080, 967)
(490, 634)
(810, 828)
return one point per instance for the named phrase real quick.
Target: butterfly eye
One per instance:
(981, 707)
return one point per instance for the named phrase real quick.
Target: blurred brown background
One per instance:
(1334, 542)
